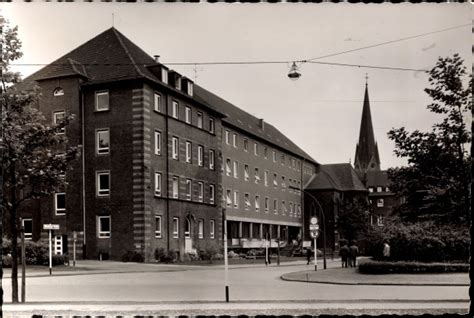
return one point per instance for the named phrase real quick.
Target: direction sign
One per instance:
(313, 227)
(314, 220)
(50, 226)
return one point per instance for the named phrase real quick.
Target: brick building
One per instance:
(155, 152)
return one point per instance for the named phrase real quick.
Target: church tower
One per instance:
(367, 153)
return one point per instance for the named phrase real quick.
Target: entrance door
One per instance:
(58, 245)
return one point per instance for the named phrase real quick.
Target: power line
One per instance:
(370, 66)
(389, 42)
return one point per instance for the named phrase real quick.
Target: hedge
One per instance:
(36, 253)
(381, 267)
(423, 242)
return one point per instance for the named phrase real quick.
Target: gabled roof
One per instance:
(111, 56)
(340, 176)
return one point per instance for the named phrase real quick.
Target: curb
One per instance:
(282, 277)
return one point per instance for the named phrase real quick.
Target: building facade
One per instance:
(163, 160)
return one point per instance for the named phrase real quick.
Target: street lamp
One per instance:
(294, 74)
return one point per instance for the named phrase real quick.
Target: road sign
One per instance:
(314, 234)
(314, 227)
(314, 220)
(50, 226)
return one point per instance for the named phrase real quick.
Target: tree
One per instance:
(435, 184)
(352, 221)
(35, 154)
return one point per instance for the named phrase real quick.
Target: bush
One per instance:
(424, 242)
(59, 260)
(192, 256)
(380, 267)
(7, 261)
(130, 256)
(36, 253)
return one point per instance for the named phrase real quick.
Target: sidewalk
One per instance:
(351, 276)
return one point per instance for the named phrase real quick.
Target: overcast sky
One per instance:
(321, 111)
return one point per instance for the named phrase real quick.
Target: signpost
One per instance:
(50, 228)
(74, 236)
(314, 233)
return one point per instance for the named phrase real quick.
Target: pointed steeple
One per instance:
(367, 153)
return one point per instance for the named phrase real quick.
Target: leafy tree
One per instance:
(35, 154)
(352, 221)
(435, 184)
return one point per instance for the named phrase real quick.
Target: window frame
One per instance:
(175, 148)
(200, 120)
(235, 169)
(157, 102)
(175, 109)
(100, 232)
(175, 227)
(101, 192)
(158, 184)
(227, 136)
(234, 140)
(187, 228)
(96, 99)
(101, 150)
(158, 226)
(57, 120)
(188, 115)
(212, 193)
(211, 159)
(246, 172)
(255, 148)
(212, 127)
(189, 152)
(228, 197)
(158, 142)
(257, 203)
(247, 203)
(228, 167)
(189, 189)
(200, 229)
(200, 155)
(236, 199)
(200, 191)
(175, 180)
(380, 203)
(212, 229)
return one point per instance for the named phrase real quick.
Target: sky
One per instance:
(321, 111)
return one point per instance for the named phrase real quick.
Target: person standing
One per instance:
(353, 252)
(386, 250)
(344, 253)
(308, 255)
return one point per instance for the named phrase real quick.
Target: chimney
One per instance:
(261, 123)
(157, 58)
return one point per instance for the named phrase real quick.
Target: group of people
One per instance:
(349, 254)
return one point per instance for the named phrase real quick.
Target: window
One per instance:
(200, 156)
(101, 101)
(175, 187)
(175, 227)
(157, 142)
(255, 148)
(267, 204)
(188, 152)
(174, 148)
(246, 201)
(228, 167)
(283, 208)
(157, 184)
(371, 189)
(380, 220)
(246, 144)
(58, 91)
(387, 189)
(265, 178)
(103, 226)
(236, 169)
(190, 88)
(212, 229)
(212, 128)
(175, 110)
(200, 228)
(227, 137)
(187, 115)
(228, 197)
(234, 140)
(60, 203)
(291, 209)
(157, 102)
(275, 206)
(283, 184)
(158, 226)
(103, 183)
(246, 172)
(177, 82)
(187, 228)
(274, 156)
(164, 75)
(282, 159)
(211, 159)
(102, 141)
(27, 228)
(211, 194)
(58, 117)
(380, 203)
(257, 176)
(275, 181)
(199, 120)
(265, 152)
(379, 189)
(236, 199)
(200, 191)
(257, 203)
(189, 189)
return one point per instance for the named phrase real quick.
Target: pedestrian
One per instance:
(308, 255)
(386, 250)
(353, 252)
(344, 253)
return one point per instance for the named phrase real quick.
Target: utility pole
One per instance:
(226, 261)
(23, 262)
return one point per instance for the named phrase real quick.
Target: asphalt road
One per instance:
(249, 286)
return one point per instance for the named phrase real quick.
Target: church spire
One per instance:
(367, 153)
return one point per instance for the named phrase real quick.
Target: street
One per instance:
(165, 287)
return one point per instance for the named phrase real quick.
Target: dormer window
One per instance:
(177, 82)
(58, 91)
(190, 88)
(164, 75)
